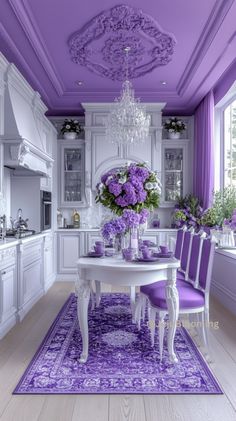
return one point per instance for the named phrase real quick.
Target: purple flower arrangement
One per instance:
(130, 192)
(232, 221)
(188, 211)
(134, 187)
(121, 224)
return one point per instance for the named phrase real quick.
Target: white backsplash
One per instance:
(96, 214)
(5, 201)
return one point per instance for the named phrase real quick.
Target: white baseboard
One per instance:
(49, 283)
(64, 278)
(27, 307)
(7, 325)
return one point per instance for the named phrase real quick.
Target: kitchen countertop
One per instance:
(12, 242)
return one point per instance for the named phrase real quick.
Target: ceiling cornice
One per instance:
(9, 41)
(231, 45)
(211, 28)
(27, 22)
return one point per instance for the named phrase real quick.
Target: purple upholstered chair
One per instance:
(179, 242)
(191, 300)
(183, 248)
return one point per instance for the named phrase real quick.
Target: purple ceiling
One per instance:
(35, 35)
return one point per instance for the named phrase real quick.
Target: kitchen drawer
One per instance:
(31, 252)
(7, 257)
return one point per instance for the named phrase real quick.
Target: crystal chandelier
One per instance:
(127, 122)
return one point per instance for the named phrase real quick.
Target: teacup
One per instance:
(147, 243)
(146, 253)
(164, 249)
(128, 254)
(99, 248)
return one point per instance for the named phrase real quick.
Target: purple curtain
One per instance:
(203, 160)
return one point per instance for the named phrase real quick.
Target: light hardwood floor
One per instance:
(18, 347)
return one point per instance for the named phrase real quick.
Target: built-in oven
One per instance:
(46, 210)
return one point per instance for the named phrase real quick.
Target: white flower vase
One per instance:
(173, 135)
(70, 135)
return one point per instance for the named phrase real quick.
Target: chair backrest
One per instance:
(179, 242)
(195, 258)
(184, 263)
(206, 264)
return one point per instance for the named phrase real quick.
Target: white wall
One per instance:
(5, 201)
(25, 194)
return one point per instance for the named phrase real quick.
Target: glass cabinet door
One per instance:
(173, 173)
(73, 175)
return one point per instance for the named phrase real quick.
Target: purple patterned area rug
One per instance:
(121, 359)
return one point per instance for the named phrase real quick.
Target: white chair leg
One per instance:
(204, 333)
(98, 292)
(161, 327)
(152, 324)
(206, 327)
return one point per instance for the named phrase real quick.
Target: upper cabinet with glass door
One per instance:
(72, 174)
(176, 164)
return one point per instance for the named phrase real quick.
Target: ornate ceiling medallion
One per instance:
(100, 44)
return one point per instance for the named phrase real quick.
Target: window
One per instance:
(229, 145)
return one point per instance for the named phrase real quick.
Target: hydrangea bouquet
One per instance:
(121, 224)
(134, 187)
(188, 211)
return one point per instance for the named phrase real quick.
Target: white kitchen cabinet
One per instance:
(90, 239)
(1, 169)
(8, 289)
(46, 184)
(48, 261)
(176, 170)
(161, 237)
(30, 282)
(70, 248)
(72, 173)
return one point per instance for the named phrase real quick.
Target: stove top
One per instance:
(19, 233)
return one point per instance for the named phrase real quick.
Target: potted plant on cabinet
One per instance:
(174, 126)
(70, 129)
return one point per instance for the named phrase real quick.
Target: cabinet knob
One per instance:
(3, 272)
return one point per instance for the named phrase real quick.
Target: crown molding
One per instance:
(9, 41)
(25, 18)
(219, 11)
(231, 44)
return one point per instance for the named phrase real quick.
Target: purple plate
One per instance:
(147, 259)
(94, 254)
(169, 254)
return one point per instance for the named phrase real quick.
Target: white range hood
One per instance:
(26, 127)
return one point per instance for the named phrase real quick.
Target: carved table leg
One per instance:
(172, 299)
(98, 292)
(83, 294)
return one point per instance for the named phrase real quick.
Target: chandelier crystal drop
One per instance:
(127, 122)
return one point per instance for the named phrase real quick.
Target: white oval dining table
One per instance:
(116, 271)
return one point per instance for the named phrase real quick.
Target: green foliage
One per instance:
(191, 203)
(224, 203)
(209, 218)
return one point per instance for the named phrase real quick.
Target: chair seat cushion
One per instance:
(188, 298)
(146, 289)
